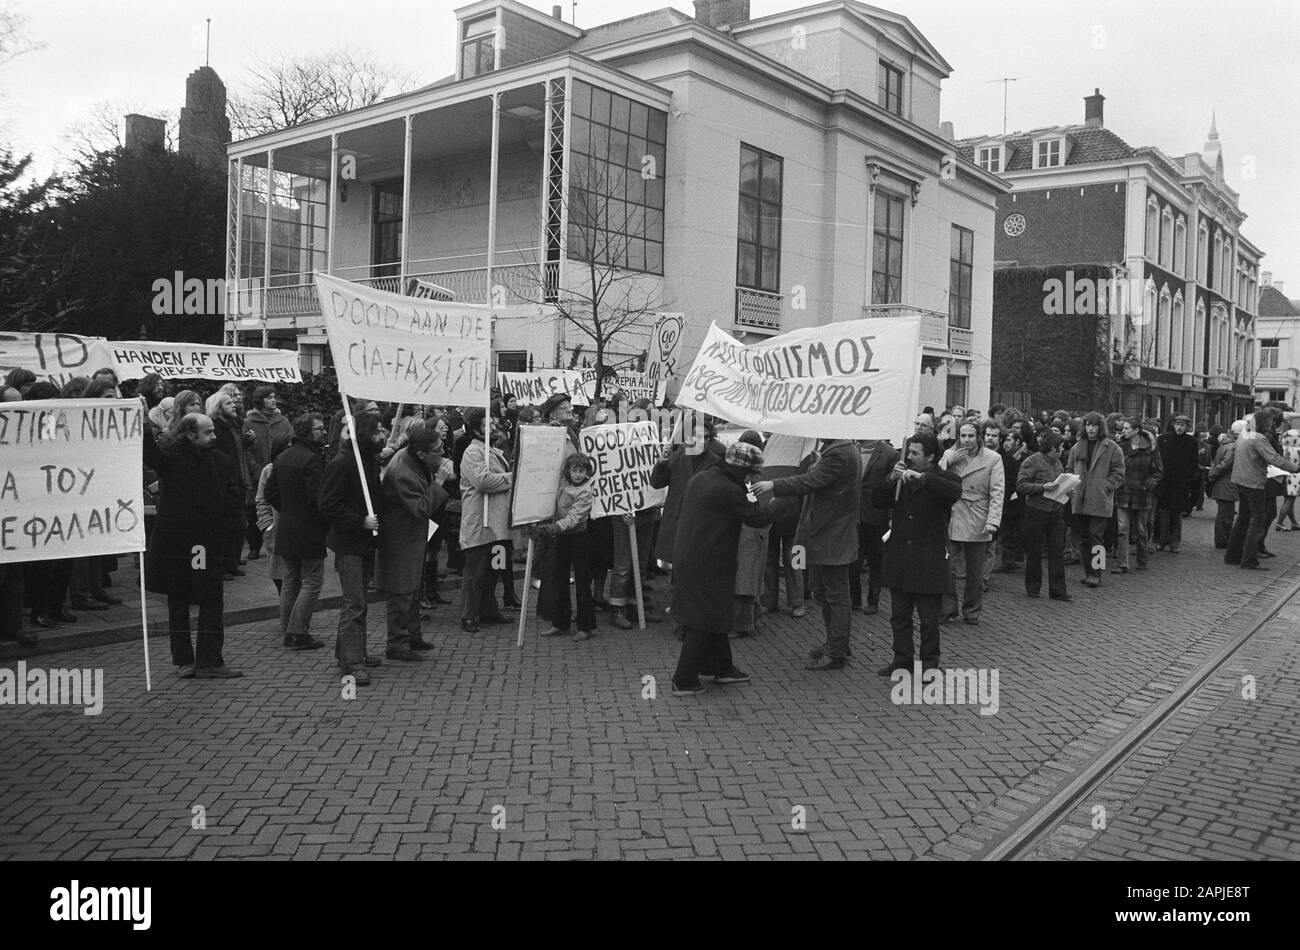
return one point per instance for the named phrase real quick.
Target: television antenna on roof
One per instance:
(1006, 82)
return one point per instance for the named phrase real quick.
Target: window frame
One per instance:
(760, 247)
(889, 200)
(478, 42)
(1274, 350)
(886, 71)
(1059, 144)
(995, 157)
(959, 305)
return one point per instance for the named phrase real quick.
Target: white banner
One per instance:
(538, 467)
(200, 361)
(59, 357)
(624, 455)
(71, 479)
(406, 349)
(533, 389)
(665, 345)
(632, 385)
(854, 380)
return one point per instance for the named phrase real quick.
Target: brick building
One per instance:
(1175, 282)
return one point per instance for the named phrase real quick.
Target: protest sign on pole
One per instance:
(533, 389)
(624, 455)
(665, 345)
(538, 466)
(854, 380)
(405, 349)
(199, 361)
(71, 481)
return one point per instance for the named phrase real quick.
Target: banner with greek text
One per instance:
(406, 349)
(624, 455)
(199, 361)
(854, 380)
(71, 482)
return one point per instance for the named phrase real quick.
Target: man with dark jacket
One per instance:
(294, 489)
(1011, 540)
(1178, 458)
(715, 505)
(264, 426)
(1218, 484)
(413, 493)
(828, 535)
(198, 502)
(352, 538)
(878, 460)
(1143, 472)
(1040, 473)
(1251, 458)
(921, 496)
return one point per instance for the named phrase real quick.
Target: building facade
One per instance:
(1180, 304)
(1277, 327)
(765, 174)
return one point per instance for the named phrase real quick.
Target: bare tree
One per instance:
(102, 128)
(14, 41)
(284, 93)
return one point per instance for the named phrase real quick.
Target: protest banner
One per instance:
(405, 349)
(540, 461)
(533, 389)
(71, 482)
(854, 380)
(665, 345)
(624, 456)
(632, 385)
(53, 357)
(198, 361)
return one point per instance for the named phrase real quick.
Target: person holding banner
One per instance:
(828, 533)
(483, 471)
(293, 490)
(717, 503)
(413, 493)
(199, 502)
(556, 411)
(352, 539)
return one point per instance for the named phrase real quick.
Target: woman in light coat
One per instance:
(974, 519)
(483, 472)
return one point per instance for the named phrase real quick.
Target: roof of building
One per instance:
(1272, 303)
(1088, 144)
(630, 28)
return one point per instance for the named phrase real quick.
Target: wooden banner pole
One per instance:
(528, 586)
(636, 574)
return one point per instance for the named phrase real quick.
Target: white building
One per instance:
(1278, 330)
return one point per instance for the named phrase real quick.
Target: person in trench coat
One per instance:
(974, 519)
(1099, 463)
(199, 505)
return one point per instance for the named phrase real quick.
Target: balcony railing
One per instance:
(758, 309)
(1219, 383)
(935, 334)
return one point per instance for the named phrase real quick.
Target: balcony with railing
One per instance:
(937, 336)
(758, 311)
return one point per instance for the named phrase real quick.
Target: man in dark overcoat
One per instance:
(199, 504)
(878, 460)
(1178, 456)
(716, 503)
(294, 491)
(921, 496)
(413, 493)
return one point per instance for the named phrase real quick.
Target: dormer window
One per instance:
(477, 49)
(1049, 153)
(989, 158)
(891, 88)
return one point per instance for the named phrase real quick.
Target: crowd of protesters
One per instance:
(230, 478)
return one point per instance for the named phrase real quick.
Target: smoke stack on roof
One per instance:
(557, 12)
(1277, 285)
(1266, 278)
(1093, 110)
(145, 132)
(721, 14)
(946, 132)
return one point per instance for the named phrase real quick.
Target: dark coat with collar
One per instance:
(199, 504)
(1178, 455)
(675, 473)
(411, 498)
(916, 554)
(875, 471)
(344, 506)
(704, 556)
(1095, 494)
(294, 490)
(828, 526)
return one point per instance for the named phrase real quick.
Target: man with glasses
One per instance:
(294, 491)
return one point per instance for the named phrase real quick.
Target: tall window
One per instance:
(960, 268)
(1167, 239)
(1198, 339)
(1153, 230)
(386, 252)
(887, 250)
(477, 51)
(1202, 253)
(758, 260)
(989, 158)
(1047, 154)
(1163, 320)
(1180, 246)
(616, 180)
(1268, 351)
(891, 88)
(1178, 335)
(956, 390)
(1216, 278)
(299, 216)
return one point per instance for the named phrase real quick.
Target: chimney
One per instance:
(144, 132)
(1277, 285)
(1266, 278)
(946, 132)
(557, 12)
(721, 14)
(1092, 110)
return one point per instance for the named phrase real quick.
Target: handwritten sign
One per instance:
(665, 345)
(852, 380)
(405, 349)
(542, 451)
(53, 357)
(197, 361)
(533, 389)
(71, 482)
(625, 455)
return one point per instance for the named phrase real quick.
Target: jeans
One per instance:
(901, 605)
(569, 553)
(1090, 536)
(871, 552)
(703, 651)
(830, 589)
(1170, 530)
(1045, 530)
(210, 634)
(780, 552)
(403, 619)
(355, 572)
(478, 596)
(966, 570)
(1131, 523)
(298, 594)
(622, 589)
(1223, 522)
(1249, 529)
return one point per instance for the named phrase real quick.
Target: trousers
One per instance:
(830, 589)
(210, 634)
(902, 604)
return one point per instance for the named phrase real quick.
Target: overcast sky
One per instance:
(1163, 66)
